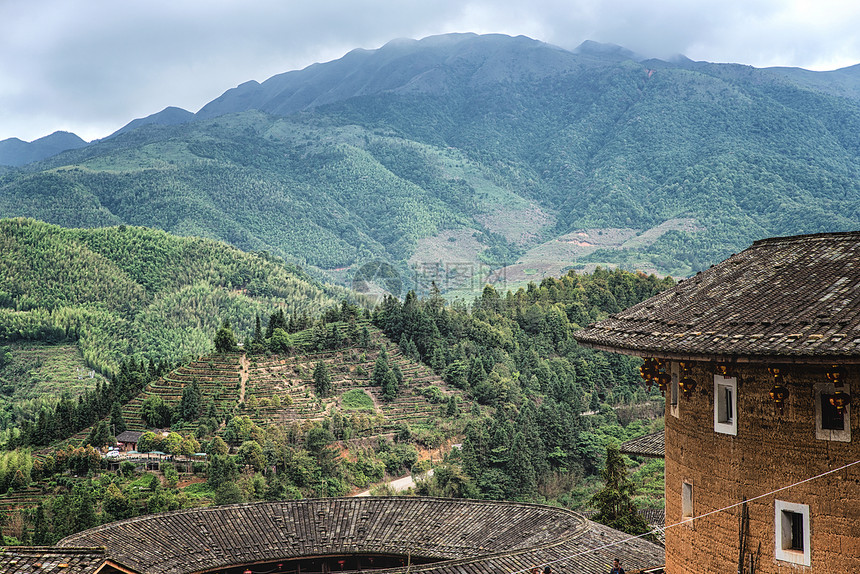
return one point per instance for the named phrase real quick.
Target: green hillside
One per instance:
(480, 150)
(134, 292)
(334, 405)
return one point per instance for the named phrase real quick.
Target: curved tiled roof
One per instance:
(49, 559)
(650, 445)
(789, 299)
(465, 536)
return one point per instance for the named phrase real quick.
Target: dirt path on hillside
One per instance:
(243, 376)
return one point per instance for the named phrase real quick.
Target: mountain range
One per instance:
(504, 157)
(15, 152)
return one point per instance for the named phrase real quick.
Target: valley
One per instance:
(318, 280)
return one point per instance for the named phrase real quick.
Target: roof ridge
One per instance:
(807, 237)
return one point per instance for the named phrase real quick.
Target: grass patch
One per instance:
(199, 490)
(356, 400)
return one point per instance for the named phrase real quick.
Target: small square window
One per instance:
(830, 424)
(725, 405)
(687, 503)
(831, 417)
(792, 533)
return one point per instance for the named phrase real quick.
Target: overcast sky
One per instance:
(91, 66)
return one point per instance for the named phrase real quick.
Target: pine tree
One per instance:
(40, 528)
(117, 422)
(322, 379)
(614, 503)
(189, 404)
(380, 368)
(258, 332)
(452, 410)
(389, 386)
(364, 338)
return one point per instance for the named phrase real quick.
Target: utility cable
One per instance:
(688, 520)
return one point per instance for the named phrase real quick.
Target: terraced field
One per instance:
(279, 389)
(290, 379)
(218, 377)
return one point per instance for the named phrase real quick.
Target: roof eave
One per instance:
(726, 358)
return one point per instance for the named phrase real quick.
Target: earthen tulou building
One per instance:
(383, 534)
(758, 357)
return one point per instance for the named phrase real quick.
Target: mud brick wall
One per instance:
(771, 450)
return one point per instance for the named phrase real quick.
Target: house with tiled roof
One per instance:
(127, 440)
(650, 446)
(54, 560)
(757, 357)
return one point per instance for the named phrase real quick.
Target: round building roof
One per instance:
(465, 536)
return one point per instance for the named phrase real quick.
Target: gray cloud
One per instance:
(90, 67)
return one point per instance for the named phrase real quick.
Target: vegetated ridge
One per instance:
(497, 146)
(319, 407)
(133, 292)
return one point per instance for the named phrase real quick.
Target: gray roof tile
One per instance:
(789, 299)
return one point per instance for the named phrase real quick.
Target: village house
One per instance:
(127, 440)
(757, 357)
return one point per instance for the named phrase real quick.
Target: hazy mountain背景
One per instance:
(14, 152)
(483, 151)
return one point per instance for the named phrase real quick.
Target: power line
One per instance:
(689, 520)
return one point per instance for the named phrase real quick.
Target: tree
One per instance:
(225, 340)
(84, 509)
(364, 338)
(149, 441)
(155, 412)
(452, 410)
(251, 453)
(116, 504)
(258, 334)
(614, 503)
(280, 341)
(322, 379)
(217, 446)
(117, 422)
(189, 405)
(389, 386)
(222, 469)
(380, 368)
(40, 527)
(99, 435)
(228, 493)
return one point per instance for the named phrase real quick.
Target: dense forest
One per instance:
(514, 352)
(134, 292)
(534, 411)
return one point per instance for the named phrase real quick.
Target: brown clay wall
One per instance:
(772, 449)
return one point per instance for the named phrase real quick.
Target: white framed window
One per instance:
(792, 532)
(726, 405)
(830, 424)
(687, 503)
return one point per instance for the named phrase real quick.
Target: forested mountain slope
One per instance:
(129, 291)
(482, 149)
